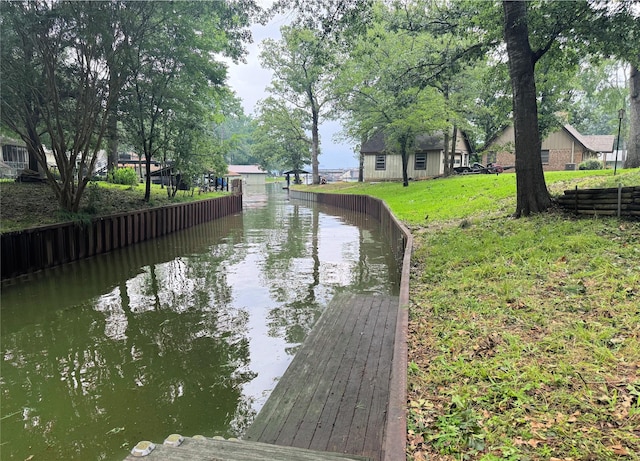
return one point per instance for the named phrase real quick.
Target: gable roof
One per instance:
(423, 142)
(246, 169)
(601, 143)
(595, 143)
(374, 144)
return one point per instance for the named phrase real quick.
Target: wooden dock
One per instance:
(333, 399)
(217, 449)
(335, 394)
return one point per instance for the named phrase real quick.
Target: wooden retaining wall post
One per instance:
(47, 246)
(616, 201)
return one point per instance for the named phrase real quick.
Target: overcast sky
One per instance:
(249, 81)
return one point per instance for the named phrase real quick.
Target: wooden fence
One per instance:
(615, 201)
(47, 246)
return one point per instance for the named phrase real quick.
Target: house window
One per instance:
(492, 157)
(381, 162)
(421, 162)
(545, 156)
(15, 156)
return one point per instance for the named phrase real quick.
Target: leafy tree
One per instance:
(280, 136)
(302, 63)
(55, 86)
(234, 130)
(379, 90)
(600, 92)
(532, 193)
(488, 82)
(174, 73)
(66, 64)
(564, 31)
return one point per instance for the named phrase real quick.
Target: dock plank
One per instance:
(372, 404)
(334, 395)
(291, 393)
(306, 417)
(338, 412)
(194, 449)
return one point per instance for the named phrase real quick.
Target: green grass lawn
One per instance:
(24, 205)
(524, 335)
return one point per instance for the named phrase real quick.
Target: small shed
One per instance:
(252, 175)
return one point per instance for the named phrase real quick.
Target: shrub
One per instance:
(126, 176)
(591, 164)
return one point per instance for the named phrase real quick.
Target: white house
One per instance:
(426, 159)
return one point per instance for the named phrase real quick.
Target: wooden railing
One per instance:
(47, 246)
(615, 201)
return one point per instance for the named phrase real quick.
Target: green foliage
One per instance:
(126, 176)
(303, 63)
(601, 90)
(156, 61)
(459, 430)
(93, 196)
(280, 138)
(591, 164)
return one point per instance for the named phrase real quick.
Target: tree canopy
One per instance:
(70, 70)
(402, 68)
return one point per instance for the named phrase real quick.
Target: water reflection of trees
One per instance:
(351, 254)
(143, 342)
(160, 352)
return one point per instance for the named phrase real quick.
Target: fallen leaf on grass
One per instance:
(534, 442)
(619, 450)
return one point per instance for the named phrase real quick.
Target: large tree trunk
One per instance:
(112, 144)
(315, 146)
(454, 142)
(445, 152)
(405, 160)
(532, 193)
(633, 146)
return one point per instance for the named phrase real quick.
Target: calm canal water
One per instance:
(186, 334)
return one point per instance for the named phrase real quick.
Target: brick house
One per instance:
(563, 149)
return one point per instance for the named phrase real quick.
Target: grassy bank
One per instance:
(524, 334)
(24, 205)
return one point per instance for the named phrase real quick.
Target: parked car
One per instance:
(479, 168)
